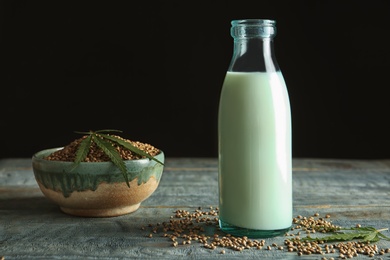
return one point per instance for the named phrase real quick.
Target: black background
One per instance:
(154, 69)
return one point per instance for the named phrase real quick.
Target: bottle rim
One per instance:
(254, 22)
(253, 28)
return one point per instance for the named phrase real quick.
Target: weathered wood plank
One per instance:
(31, 227)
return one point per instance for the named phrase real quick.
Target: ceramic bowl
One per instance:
(96, 189)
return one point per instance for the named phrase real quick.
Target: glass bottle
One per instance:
(254, 137)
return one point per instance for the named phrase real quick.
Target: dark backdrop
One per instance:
(154, 69)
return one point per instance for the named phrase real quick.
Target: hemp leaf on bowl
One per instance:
(106, 143)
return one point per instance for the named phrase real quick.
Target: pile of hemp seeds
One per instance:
(96, 154)
(186, 228)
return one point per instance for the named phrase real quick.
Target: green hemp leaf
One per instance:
(105, 142)
(365, 234)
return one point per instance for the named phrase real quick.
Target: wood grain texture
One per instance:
(31, 227)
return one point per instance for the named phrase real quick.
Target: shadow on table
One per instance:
(38, 205)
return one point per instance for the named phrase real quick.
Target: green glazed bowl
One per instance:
(96, 189)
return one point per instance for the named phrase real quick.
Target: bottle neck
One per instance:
(253, 46)
(253, 55)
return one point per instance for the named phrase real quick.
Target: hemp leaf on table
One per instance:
(366, 234)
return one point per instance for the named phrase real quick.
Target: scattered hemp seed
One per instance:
(185, 228)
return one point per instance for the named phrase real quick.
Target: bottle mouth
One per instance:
(252, 28)
(254, 22)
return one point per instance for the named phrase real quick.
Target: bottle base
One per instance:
(251, 233)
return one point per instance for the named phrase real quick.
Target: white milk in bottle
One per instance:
(254, 136)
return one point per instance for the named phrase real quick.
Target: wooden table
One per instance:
(31, 227)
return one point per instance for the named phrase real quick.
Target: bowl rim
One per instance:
(38, 158)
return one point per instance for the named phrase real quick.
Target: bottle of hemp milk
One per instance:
(254, 137)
